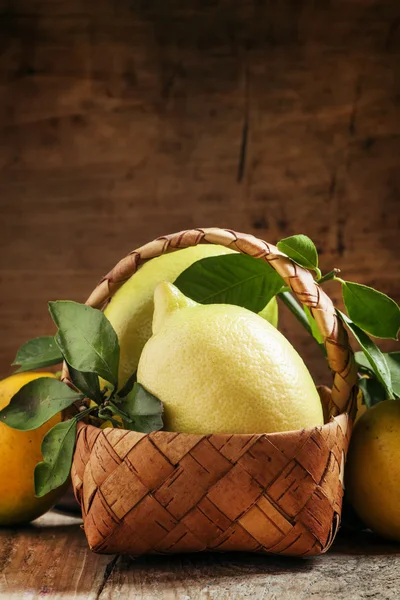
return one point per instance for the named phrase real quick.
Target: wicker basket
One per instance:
(174, 492)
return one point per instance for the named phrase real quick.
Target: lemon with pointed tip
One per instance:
(220, 368)
(131, 308)
(20, 452)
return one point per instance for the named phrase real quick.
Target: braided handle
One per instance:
(300, 280)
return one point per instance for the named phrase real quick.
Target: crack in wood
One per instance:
(243, 151)
(106, 576)
(245, 132)
(332, 186)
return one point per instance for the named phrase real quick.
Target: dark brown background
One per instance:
(125, 120)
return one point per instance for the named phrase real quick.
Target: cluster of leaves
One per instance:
(249, 282)
(88, 343)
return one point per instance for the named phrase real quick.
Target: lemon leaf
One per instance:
(36, 353)
(313, 325)
(87, 383)
(124, 391)
(373, 311)
(86, 339)
(144, 410)
(393, 362)
(374, 356)
(363, 361)
(36, 402)
(231, 279)
(301, 250)
(57, 450)
(373, 391)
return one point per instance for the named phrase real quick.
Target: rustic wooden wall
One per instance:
(125, 120)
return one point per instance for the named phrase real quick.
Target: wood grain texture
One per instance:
(123, 121)
(51, 559)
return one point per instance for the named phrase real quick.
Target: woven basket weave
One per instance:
(174, 492)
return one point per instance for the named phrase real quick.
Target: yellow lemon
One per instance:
(220, 368)
(131, 308)
(20, 452)
(372, 473)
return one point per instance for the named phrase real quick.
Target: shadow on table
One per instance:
(363, 543)
(216, 565)
(236, 564)
(57, 541)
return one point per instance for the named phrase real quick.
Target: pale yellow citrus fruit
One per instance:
(220, 368)
(131, 308)
(372, 473)
(19, 454)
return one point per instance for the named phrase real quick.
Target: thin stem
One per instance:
(108, 417)
(300, 315)
(119, 412)
(331, 275)
(296, 309)
(84, 413)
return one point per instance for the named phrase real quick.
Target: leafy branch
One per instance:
(87, 342)
(226, 279)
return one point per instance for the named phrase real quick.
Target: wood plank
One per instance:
(123, 121)
(51, 559)
(357, 567)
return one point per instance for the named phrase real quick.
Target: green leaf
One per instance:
(107, 415)
(393, 362)
(57, 449)
(373, 391)
(144, 409)
(36, 402)
(37, 353)
(313, 325)
(231, 279)
(373, 354)
(128, 386)
(371, 310)
(302, 251)
(86, 339)
(363, 361)
(87, 383)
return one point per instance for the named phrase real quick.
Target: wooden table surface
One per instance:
(50, 559)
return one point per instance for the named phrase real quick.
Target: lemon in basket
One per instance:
(130, 310)
(372, 474)
(220, 368)
(20, 451)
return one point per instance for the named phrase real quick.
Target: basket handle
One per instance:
(300, 280)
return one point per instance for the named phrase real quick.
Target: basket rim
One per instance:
(299, 279)
(341, 419)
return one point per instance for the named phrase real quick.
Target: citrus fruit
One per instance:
(220, 368)
(20, 452)
(372, 473)
(131, 308)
